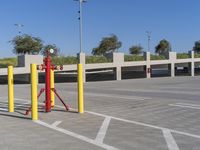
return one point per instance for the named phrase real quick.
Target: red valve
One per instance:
(61, 67)
(40, 67)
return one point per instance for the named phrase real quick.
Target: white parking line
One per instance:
(23, 104)
(186, 105)
(171, 143)
(134, 122)
(115, 96)
(160, 91)
(78, 136)
(3, 109)
(166, 131)
(102, 131)
(56, 123)
(119, 97)
(146, 125)
(18, 99)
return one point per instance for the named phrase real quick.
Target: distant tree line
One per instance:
(27, 44)
(112, 44)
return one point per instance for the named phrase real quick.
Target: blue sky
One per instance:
(55, 22)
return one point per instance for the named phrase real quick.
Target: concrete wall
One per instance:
(26, 60)
(117, 65)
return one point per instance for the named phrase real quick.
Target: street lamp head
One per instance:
(51, 50)
(81, 1)
(148, 32)
(18, 25)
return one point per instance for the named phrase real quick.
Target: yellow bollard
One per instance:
(34, 99)
(52, 87)
(10, 89)
(80, 89)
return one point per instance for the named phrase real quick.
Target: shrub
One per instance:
(196, 55)
(182, 56)
(97, 59)
(133, 58)
(61, 60)
(157, 57)
(5, 62)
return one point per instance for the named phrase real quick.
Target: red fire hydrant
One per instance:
(48, 66)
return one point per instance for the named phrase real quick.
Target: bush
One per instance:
(133, 58)
(196, 55)
(74, 60)
(97, 59)
(61, 60)
(5, 62)
(157, 57)
(182, 56)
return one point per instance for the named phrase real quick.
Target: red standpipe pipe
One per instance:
(47, 84)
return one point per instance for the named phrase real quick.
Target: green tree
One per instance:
(163, 47)
(196, 47)
(27, 44)
(107, 44)
(135, 49)
(48, 47)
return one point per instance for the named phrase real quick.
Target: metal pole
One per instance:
(149, 38)
(148, 43)
(80, 25)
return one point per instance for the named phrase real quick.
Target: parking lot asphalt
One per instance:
(139, 114)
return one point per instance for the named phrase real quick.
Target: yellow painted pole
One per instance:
(10, 89)
(52, 87)
(80, 89)
(34, 99)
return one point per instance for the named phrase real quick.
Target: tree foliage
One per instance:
(107, 44)
(163, 47)
(27, 44)
(48, 47)
(196, 47)
(135, 49)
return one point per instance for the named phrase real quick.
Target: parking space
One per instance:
(155, 114)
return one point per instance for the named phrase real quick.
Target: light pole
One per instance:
(81, 24)
(149, 38)
(19, 26)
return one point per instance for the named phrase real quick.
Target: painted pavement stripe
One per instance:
(75, 135)
(188, 104)
(138, 123)
(3, 109)
(184, 106)
(21, 105)
(18, 99)
(147, 125)
(135, 122)
(56, 123)
(115, 96)
(158, 91)
(171, 143)
(102, 131)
